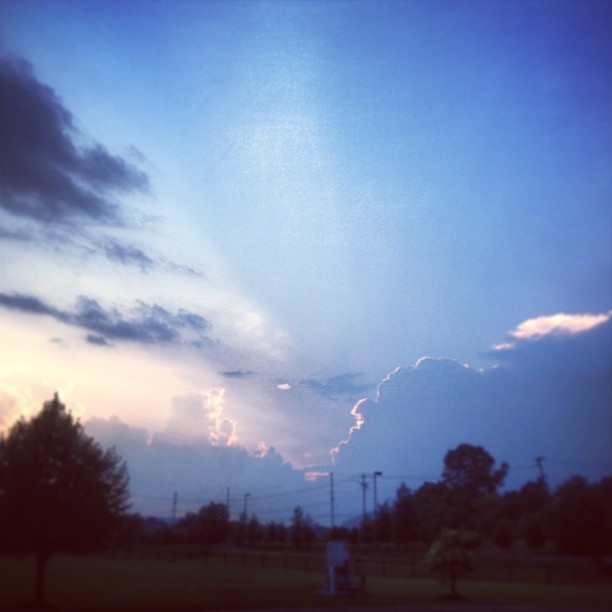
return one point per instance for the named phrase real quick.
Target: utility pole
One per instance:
(364, 487)
(227, 502)
(332, 499)
(539, 461)
(174, 502)
(376, 473)
(246, 498)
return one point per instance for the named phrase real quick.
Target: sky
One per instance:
(249, 240)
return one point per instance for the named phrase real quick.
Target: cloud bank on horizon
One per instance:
(549, 395)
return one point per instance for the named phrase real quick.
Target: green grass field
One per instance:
(92, 584)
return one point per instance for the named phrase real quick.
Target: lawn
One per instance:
(96, 585)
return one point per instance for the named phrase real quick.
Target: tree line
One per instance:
(575, 518)
(61, 492)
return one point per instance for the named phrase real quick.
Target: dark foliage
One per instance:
(210, 525)
(581, 517)
(59, 490)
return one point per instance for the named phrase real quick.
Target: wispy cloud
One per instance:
(237, 374)
(331, 388)
(97, 340)
(149, 324)
(127, 255)
(48, 174)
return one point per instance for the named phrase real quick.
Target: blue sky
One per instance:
(274, 205)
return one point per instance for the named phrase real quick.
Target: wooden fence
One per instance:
(489, 567)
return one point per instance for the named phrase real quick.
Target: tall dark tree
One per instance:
(472, 469)
(302, 530)
(472, 480)
(59, 490)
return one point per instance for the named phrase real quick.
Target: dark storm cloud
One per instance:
(49, 174)
(342, 384)
(548, 395)
(149, 324)
(46, 172)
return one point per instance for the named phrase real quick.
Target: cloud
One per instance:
(563, 345)
(342, 384)
(549, 394)
(97, 340)
(47, 172)
(199, 418)
(17, 235)
(331, 388)
(149, 324)
(555, 325)
(127, 255)
(28, 304)
(199, 471)
(237, 374)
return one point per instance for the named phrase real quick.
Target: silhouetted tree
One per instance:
(534, 495)
(404, 516)
(449, 555)
(535, 498)
(471, 468)
(471, 478)
(581, 517)
(131, 530)
(271, 533)
(504, 533)
(59, 490)
(366, 530)
(431, 509)
(534, 530)
(302, 531)
(210, 525)
(254, 530)
(383, 523)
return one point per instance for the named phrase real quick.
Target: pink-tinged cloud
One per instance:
(557, 324)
